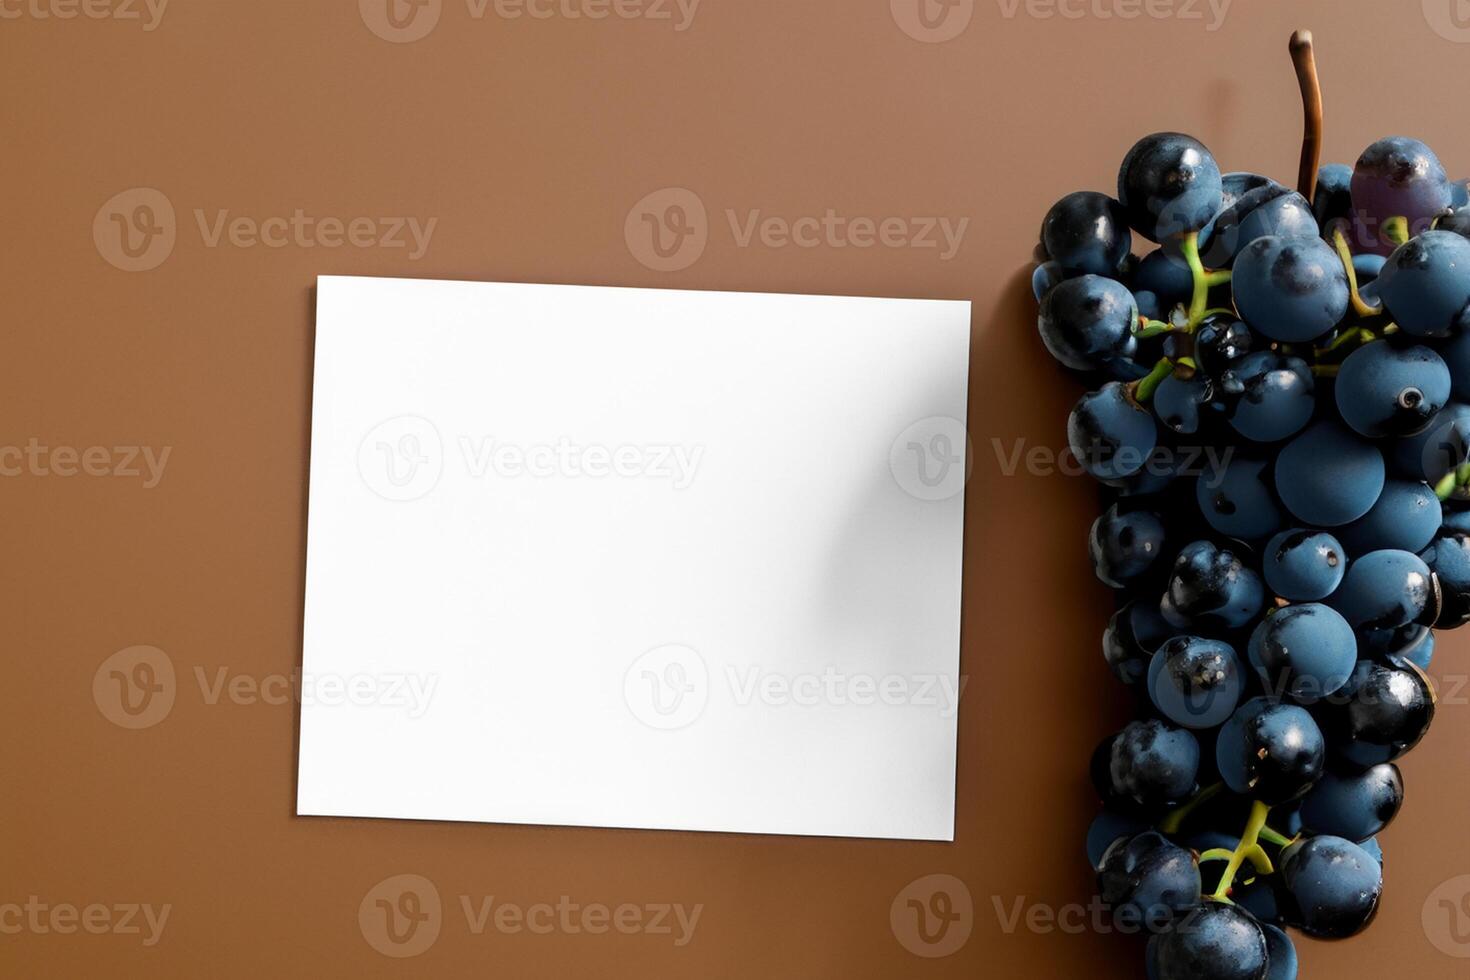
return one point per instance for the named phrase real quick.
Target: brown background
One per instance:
(530, 141)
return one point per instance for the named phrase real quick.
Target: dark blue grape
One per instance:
(1457, 221)
(1178, 400)
(1088, 322)
(1170, 185)
(1448, 557)
(1412, 644)
(1290, 289)
(1165, 273)
(1406, 518)
(1374, 849)
(1306, 651)
(1107, 828)
(1262, 212)
(1087, 232)
(1380, 714)
(1238, 183)
(1368, 268)
(1270, 751)
(1328, 477)
(1384, 590)
(1213, 942)
(1280, 952)
(1332, 205)
(1334, 885)
(1238, 501)
(1425, 285)
(1396, 177)
(1356, 805)
(1129, 642)
(1210, 588)
(1044, 278)
(1430, 455)
(1276, 398)
(1457, 519)
(1154, 764)
(1258, 896)
(1456, 354)
(1303, 565)
(1386, 389)
(1124, 545)
(1195, 682)
(1221, 343)
(1150, 307)
(1147, 880)
(1110, 434)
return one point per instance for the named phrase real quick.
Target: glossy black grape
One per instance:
(1154, 764)
(1087, 232)
(1380, 714)
(1087, 323)
(1214, 942)
(1133, 634)
(1211, 588)
(1356, 805)
(1334, 886)
(1270, 751)
(1332, 205)
(1110, 434)
(1123, 545)
(1148, 881)
(1169, 184)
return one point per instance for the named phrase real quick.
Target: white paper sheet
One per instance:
(634, 558)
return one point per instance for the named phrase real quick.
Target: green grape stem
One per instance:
(1360, 306)
(1171, 823)
(1203, 280)
(1247, 849)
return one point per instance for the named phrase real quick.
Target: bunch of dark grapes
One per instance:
(1280, 417)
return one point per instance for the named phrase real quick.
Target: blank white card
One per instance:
(634, 558)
